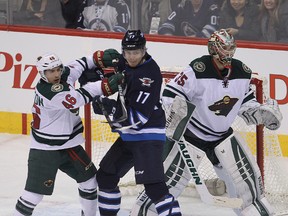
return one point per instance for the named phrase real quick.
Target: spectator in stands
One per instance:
(240, 18)
(193, 18)
(71, 10)
(106, 15)
(40, 13)
(274, 20)
(155, 8)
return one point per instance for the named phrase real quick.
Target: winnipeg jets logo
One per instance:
(146, 81)
(223, 106)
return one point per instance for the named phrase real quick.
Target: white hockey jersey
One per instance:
(56, 122)
(106, 16)
(217, 96)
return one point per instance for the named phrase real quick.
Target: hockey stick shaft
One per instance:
(120, 94)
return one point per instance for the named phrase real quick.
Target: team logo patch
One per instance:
(57, 87)
(223, 106)
(48, 183)
(199, 66)
(246, 68)
(146, 81)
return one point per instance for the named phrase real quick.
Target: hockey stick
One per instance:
(121, 95)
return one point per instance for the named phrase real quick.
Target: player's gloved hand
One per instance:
(272, 115)
(110, 85)
(99, 103)
(103, 59)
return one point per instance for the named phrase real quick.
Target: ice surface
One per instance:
(64, 201)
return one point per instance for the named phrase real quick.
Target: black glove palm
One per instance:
(103, 103)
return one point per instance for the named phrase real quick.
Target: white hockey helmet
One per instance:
(48, 61)
(222, 45)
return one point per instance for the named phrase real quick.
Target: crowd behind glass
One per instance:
(251, 20)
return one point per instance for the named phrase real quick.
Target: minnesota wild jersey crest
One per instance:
(57, 87)
(199, 66)
(223, 106)
(246, 68)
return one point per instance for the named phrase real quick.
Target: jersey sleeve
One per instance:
(75, 69)
(182, 85)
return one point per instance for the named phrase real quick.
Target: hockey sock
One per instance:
(168, 206)
(88, 196)
(27, 202)
(109, 202)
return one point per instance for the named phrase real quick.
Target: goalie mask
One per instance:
(48, 61)
(133, 39)
(222, 46)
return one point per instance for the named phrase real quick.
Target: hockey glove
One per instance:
(267, 114)
(272, 115)
(99, 103)
(103, 59)
(110, 85)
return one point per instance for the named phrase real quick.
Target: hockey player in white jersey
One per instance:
(57, 131)
(219, 87)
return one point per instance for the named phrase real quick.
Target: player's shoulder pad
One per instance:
(201, 66)
(49, 90)
(240, 70)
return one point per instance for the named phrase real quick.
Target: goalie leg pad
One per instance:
(253, 209)
(241, 174)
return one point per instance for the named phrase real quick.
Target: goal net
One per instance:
(263, 143)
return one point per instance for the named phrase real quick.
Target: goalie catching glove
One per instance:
(104, 59)
(110, 85)
(267, 114)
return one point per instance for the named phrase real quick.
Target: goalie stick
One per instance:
(177, 120)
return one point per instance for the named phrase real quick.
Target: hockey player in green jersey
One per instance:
(57, 130)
